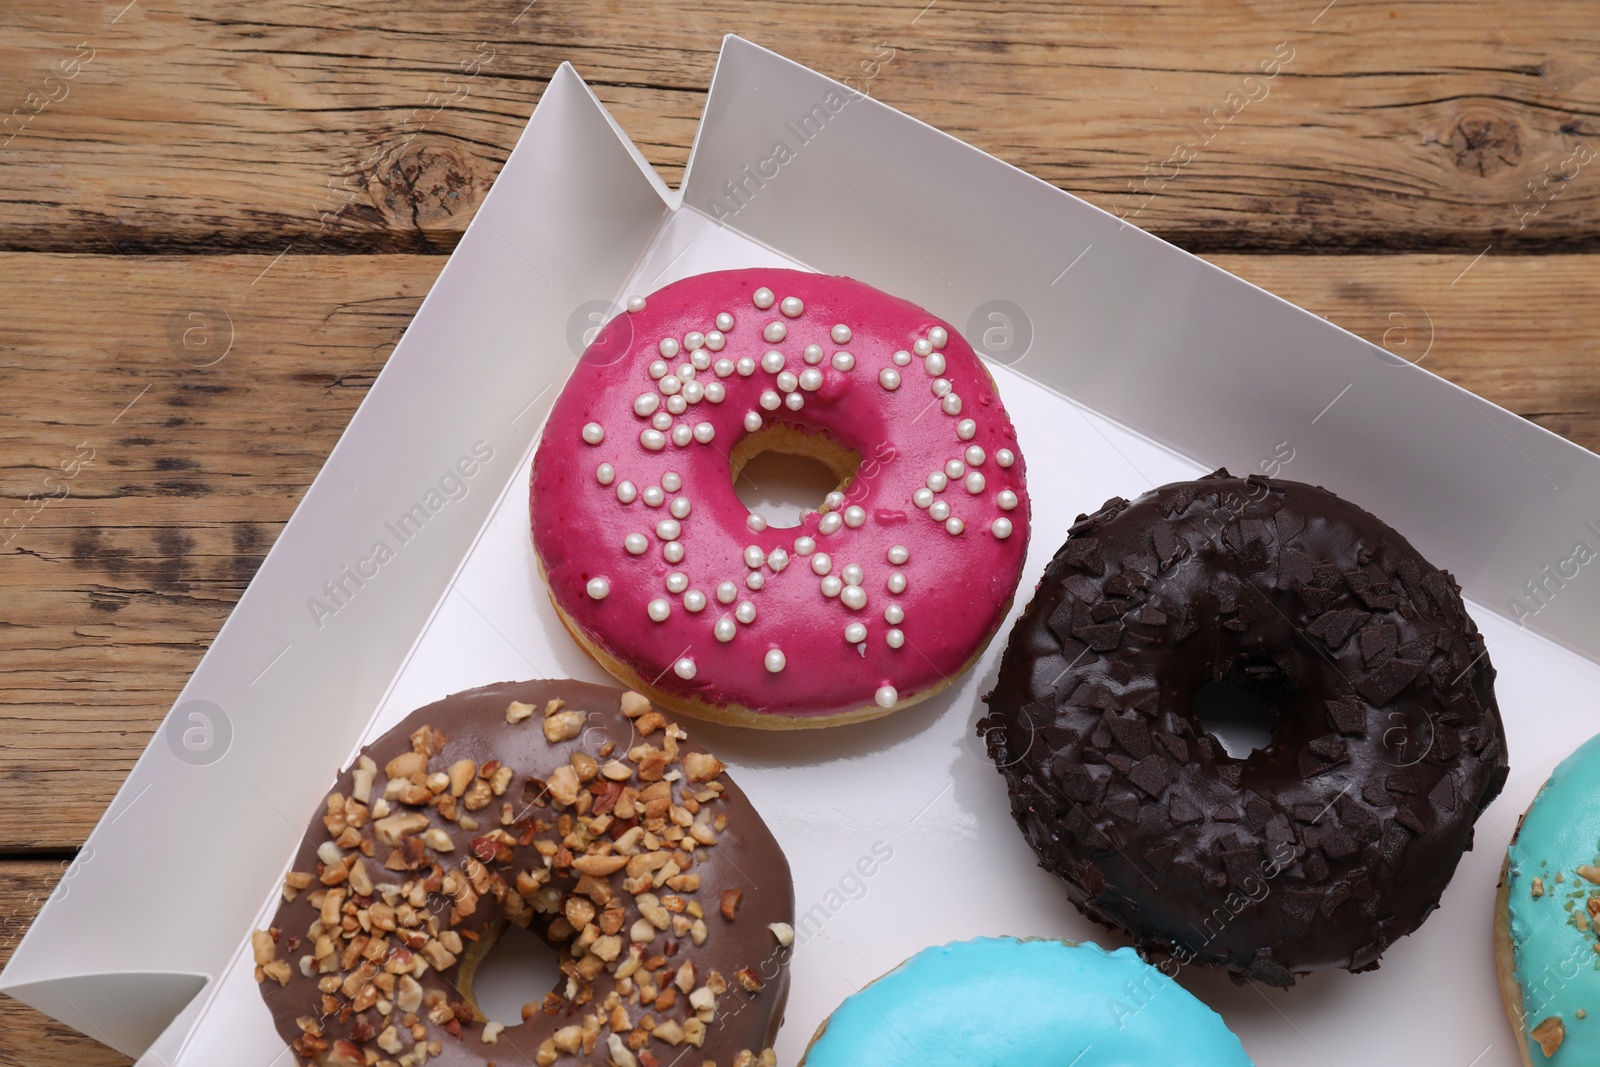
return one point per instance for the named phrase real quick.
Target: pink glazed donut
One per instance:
(875, 601)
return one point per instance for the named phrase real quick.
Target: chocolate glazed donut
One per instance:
(576, 811)
(1323, 848)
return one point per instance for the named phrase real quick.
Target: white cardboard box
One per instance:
(1142, 365)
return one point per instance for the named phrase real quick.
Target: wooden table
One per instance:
(217, 220)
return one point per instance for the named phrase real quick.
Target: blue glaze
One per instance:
(1000, 1001)
(1556, 962)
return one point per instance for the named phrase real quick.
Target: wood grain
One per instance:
(365, 127)
(116, 589)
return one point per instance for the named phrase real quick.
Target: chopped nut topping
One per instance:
(517, 711)
(1552, 1031)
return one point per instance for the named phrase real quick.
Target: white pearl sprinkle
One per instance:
(637, 544)
(777, 559)
(599, 588)
(902, 358)
(727, 592)
(662, 420)
(787, 382)
(654, 440)
(659, 609)
(680, 507)
(954, 527)
(833, 501)
(1004, 457)
(843, 361)
(851, 574)
(922, 498)
(940, 386)
(701, 360)
(722, 367)
(684, 668)
(724, 322)
(636, 304)
(821, 564)
(772, 361)
(694, 600)
(896, 583)
(937, 481)
(693, 340)
(1001, 528)
(954, 468)
(811, 379)
(792, 306)
(693, 392)
(669, 384)
(753, 556)
(854, 597)
(804, 546)
(935, 364)
(889, 378)
(966, 429)
(682, 434)
(756, 523)
(770, 400)
(704, 432)
(840, 334)
(654, 496)
(898, 554)
(951, 404)
(774, 660)
(975, 483)
(668, 346)
(605, 474)
(755, 580)
(831, 586)
(774, 332)
(752, 421)
(975, 456)
(672, 551)
(813, 354)
(855, 516)
(716, 392)
(921, 346)
(745, 612)
(937, 337)
(677, 582)
(1007, 500)
(672, 481)
(626, 492)
(594, 433)
(724, 630)
(830, 523)
(886, 696)
(794, 401)
(894, 639)
(763, 298)
(894, 615)
(714, 340)
(659, 369)
(645, 405)
(668, 529)
(855, 633)
(939, 511)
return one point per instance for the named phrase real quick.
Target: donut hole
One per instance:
(516, 968)
(1240, 713)
(782, 473)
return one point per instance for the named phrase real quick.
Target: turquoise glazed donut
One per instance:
(952, 1006)
(1547, 918)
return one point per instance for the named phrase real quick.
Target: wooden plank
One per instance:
(26, 1036)
(1450, 125)
(116, 588)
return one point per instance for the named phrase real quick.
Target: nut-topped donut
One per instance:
(576, 811)
(1319, 849)
(875, 601)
